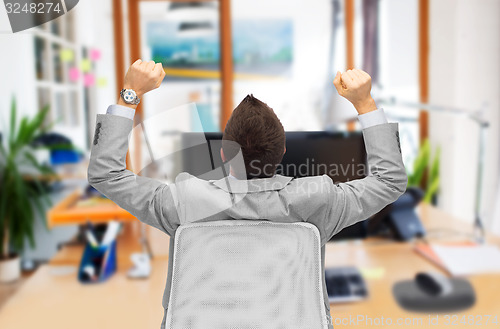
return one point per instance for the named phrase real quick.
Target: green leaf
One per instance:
(21, 199)
(13, 120)
(23, 130)
(41, 193)
(35, 124)
(434, 171)
(431, 190)
(420, 164)
(40, 210)
(44, 170)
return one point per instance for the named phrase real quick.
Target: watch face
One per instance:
(129, 95)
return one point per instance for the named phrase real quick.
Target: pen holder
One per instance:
(103, 261)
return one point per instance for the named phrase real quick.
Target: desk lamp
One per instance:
(477, 117)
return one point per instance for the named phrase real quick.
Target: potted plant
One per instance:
(422, 164)
(23, 192)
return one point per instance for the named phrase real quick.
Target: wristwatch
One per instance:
(129, 96)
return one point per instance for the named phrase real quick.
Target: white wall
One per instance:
(398, 23)
(465, 72)
(17, 71)
(295, 100)
(398, 47)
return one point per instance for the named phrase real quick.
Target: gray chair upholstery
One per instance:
(246, 274)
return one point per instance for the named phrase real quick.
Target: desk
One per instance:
(45, 301)
(401, 263)
(66, 213)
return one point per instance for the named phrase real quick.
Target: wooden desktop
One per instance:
(61, 302)
(398, 261)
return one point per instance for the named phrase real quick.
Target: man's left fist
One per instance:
(355, 85)
(143, 77)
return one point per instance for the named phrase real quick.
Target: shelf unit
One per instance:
(68, 100)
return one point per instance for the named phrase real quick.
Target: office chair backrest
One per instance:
(246, 274)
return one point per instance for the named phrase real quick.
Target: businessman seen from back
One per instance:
(252, 190)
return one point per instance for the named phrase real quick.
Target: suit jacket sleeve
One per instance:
(354, 201)
(149, 200)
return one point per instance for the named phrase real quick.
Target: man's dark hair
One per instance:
(255, 128)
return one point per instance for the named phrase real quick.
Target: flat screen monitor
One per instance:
(339, 155)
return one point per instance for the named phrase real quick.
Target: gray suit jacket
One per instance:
(317, 200)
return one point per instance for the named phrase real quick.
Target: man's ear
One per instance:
(284, 151)
(222, 155)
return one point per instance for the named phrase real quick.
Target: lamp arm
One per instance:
(478, 223)
(474, 115)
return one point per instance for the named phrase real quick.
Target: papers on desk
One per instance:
(460, 261)
(463, 260)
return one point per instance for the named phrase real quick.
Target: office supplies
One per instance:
(90, 235)
(66, 54)
(74, 74)
(91, 239)
(469, 260)
(98, 261)
(345, 284)
(372, 273)
(402, 219)
(142, 266)
(433, 283)
(412, 297)
(111, 233)
(89, 271)
(101, 259)
(426, 251)
(399, 220)
(85, 65)
(462, 258)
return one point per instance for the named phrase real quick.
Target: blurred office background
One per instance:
(439, 52)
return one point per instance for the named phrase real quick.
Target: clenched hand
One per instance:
(355, 85)
(144, 76)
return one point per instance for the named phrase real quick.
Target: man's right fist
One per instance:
(355, 85)
(143, 77)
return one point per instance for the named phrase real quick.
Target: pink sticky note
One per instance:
(95, 54)
(88, 80)
(74, 74)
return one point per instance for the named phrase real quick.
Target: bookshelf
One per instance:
(68, 98)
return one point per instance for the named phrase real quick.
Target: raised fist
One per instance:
(355, 85)
(144, 76)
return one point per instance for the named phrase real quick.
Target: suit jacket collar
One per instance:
(233, 185)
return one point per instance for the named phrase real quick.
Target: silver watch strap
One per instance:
(136, 100)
